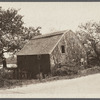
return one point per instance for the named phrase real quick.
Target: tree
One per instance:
(30, 32)
(89, 35)
(13, 33)
(10, 26)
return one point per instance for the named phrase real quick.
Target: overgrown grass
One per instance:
(11, 83)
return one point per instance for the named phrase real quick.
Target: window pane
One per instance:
(63, 49)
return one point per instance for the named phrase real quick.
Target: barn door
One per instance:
(43, 65)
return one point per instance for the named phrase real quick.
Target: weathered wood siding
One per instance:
(74, 51)
(34, 64)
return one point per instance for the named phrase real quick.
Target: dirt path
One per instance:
(88, 86)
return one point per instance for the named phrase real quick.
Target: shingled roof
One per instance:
(42, 44)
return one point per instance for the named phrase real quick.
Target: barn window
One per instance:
(63, 49)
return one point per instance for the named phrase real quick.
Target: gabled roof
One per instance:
(50, 34)
(42, 44)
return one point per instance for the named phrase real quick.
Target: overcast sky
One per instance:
(55, 16)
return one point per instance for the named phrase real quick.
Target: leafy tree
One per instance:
(13, 33)
(30, 32)
(10, 27)
(89, 35)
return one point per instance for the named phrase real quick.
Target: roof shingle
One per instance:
(41, 44)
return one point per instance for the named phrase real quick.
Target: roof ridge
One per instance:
(40, 37)
(49, 34)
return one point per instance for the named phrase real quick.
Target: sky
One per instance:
(56, 16)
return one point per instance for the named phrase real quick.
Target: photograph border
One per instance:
(49, 1)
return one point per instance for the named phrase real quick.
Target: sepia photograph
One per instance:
(49, 49)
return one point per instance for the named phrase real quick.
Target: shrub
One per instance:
(92, 70)
(64, 70)
(5, 76)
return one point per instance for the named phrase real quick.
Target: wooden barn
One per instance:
(42, 53)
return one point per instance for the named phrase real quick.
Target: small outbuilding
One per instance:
(42, 53)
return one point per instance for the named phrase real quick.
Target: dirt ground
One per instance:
(85, 87)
